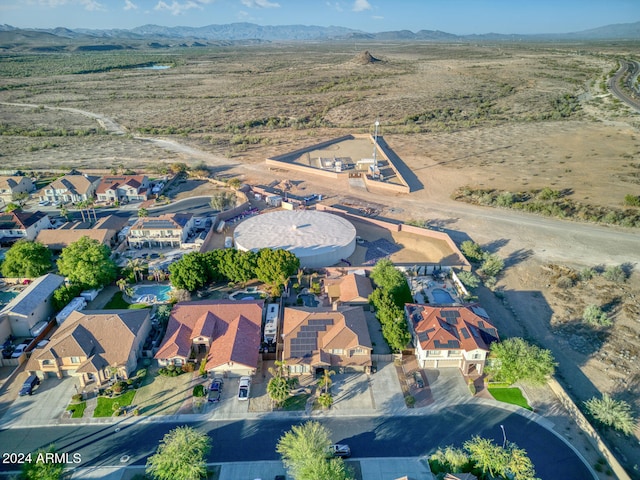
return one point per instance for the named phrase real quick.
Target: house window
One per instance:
(476, 356)
(358, 351)
(177, 361)
(454, 353)
(433, 353)
(46, 362)
(75, 359)
(337, 351)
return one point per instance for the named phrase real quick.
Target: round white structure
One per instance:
(318, 239)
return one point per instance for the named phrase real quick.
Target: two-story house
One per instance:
(94, 346)
(166, 231)
(19, 225)
(123, 188)
(352, 289)
(451, 336)
(225, 332)
(70, 188)
(14, 185)
(332, 339)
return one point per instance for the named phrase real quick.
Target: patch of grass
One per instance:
(509, 395)
(295, 403)
(77, 409)
(118, 302)
(105, 405)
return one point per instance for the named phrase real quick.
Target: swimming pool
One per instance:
(308, 300)
(6, 297)
(441, 296)
(151, 293)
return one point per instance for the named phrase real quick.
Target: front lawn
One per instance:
(117, 302)
(509, 395)
(105, 404)
(294, 403)
(77, 409)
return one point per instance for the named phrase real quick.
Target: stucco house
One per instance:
(123, 188)
(332, 339)
(19, 225)
(105, 231)
(14, 185)
(91, 344)
(351, 289)
(224, 332)
(70, 188)
(32, 305)
(451, 336)
(165, 231)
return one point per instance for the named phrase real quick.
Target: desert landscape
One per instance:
(492, 116)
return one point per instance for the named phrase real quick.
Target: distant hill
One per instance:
(63, 38)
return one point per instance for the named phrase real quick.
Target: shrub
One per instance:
(492, 265)
(472, 251)
(564, 282)
(410, 400)
(587, 274)
(612, 413)
(136, 412)
(468, 279)
(203, 368)
(119, 387)
(505, 199)
(77, 398)
(189, 367)
(170, 371)
(615, 273)
(198, 391)
(632, 200)
(593, 315)
(141, 373)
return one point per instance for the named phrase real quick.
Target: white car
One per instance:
(243, 388)
(19, 350)
(43, 203)
(339, 450)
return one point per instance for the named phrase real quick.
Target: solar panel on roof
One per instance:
(465, 333)
(423, 336)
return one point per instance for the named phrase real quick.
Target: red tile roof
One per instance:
(232, 326)
(350, 288)
(117, 181)
(451, 327)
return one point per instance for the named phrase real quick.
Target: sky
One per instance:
(453, 16)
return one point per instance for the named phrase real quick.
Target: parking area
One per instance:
(49, 401)
(229, 406)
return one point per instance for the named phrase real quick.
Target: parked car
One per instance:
(215, 389)
(29, 384)
(419, 381)
(43, 203)
(243, 388)
(19, 350)
(340, 450)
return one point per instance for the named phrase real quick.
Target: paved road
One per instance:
(255, 440)
(623, 95)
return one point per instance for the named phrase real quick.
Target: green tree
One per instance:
(472, 251)
(143, 212)
(135, 266)
(88, 263)
(392, 280)
(593, 315)
(181, 454)
(237, 266)
(64, 294)
(222, 201)
(10, 207)
(304, 453)
(325, 400)
(40, 469)
(178, 168)
(394, 327)
(279, 386)
(449, 460)
(515, 360)
(27, 259)
(487, 456)
(612, 413)
(468, 279)
(274, 267)
(190, 272)
(492, 265)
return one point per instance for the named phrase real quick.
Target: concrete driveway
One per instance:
(229, 406)
(49, 401)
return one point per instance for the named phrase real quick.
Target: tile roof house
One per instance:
(128, 188)
(225, 332)
(70, 188)
(335, 339)
(10, 186)
(32, 305)
(165, 231)
(451, 336)
(105, 231)
(17, 225)
(90, 343)
(352, 289)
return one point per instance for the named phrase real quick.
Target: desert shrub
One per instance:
(632, 200)
(76, 398)
(612, 413)
(587, 274)
(492, 265)
(468, 279)
(189, 367)
(564, 282)
(615, 273)
(472, 251)
(505, 199)
(548, 194)
(594, 316)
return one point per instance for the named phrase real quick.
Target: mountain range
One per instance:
(159, 36)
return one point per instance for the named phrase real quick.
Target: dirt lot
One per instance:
(490, 116)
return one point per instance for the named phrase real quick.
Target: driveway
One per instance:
(49, 401)
(229, 406)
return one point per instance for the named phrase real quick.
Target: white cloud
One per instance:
(259, 4)
(177, 8)
(129, 5)
(361, 5)
(91, 5)
(335, 6)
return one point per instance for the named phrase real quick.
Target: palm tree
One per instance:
(135, 265)
(325, 382)
(122, 284)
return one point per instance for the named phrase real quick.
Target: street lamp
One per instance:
(504, 437)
